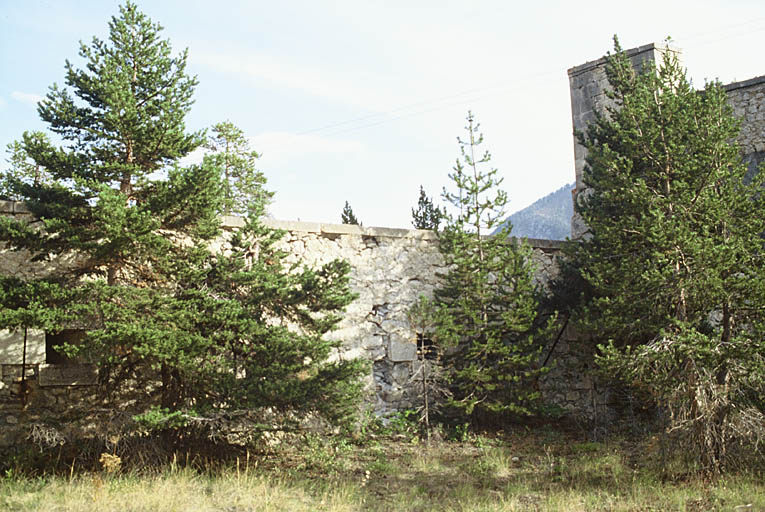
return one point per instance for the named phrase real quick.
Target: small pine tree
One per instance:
(429, 374)
(242, 182)
(347, 216)
(488, 299)
(23, 168)
(427, 215)
(256, 331)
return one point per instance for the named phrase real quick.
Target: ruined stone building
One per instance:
(390, 269)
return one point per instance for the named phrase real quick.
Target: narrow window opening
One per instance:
(426, 349)
(54, 354)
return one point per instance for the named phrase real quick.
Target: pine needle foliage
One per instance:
(242, 182)
(673, 263)
(427, 215)
(487, 300)
(347, 216)
(129, 233)
(22, 167)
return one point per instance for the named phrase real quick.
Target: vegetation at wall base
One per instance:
(672, 268)
(128, 232)
(540, 468)
(487, 300)
(430, 375)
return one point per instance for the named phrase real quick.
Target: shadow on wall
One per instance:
(12, 347)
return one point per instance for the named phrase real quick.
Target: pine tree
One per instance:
(427, 215)
(673, 266)
(347, 216)
(423, 318)
(231, 153)
(23, 168)
(251, 360)
(488, 299)
(129, 231)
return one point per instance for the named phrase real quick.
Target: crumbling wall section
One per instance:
(390, 269)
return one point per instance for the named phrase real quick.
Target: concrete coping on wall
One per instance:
(590, 65)
(373, 231)
(234, 222)
(744, 83)
(13, 207)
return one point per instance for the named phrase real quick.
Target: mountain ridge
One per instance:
(547, 218)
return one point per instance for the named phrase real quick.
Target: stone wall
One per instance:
(391, 268)
(748, 101)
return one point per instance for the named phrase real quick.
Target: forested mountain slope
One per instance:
(547, 218)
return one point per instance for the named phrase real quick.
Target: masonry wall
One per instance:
(748, 101)
(391, 268)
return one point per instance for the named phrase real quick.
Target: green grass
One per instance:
(522, 472)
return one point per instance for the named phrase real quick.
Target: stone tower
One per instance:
(588, 83)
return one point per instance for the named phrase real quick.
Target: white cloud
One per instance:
(195, 157)
(277, 148)
(26, 97)
(351, 88)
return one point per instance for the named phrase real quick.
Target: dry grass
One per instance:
(179, 491)
(530, 472)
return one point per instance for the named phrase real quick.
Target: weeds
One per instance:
(531, 472)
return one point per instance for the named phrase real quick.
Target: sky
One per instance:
(363, 100)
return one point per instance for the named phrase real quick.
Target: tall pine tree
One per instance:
(124, 246)
(673, 265)
(487, 300)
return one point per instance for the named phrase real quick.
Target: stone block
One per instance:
(352, 353)
(68, 375)
(372, 342)
(20, 207)
(400, 373)
(293, 226)
(342, 229)
(12, 372)
(376, 354)
(232, 221)
(12, 346)
(399, 352)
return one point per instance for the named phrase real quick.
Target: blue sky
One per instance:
(362, 100)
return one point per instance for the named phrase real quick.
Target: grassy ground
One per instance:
(541, 470)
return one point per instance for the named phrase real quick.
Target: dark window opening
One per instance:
(426, 349)
(53, 342)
